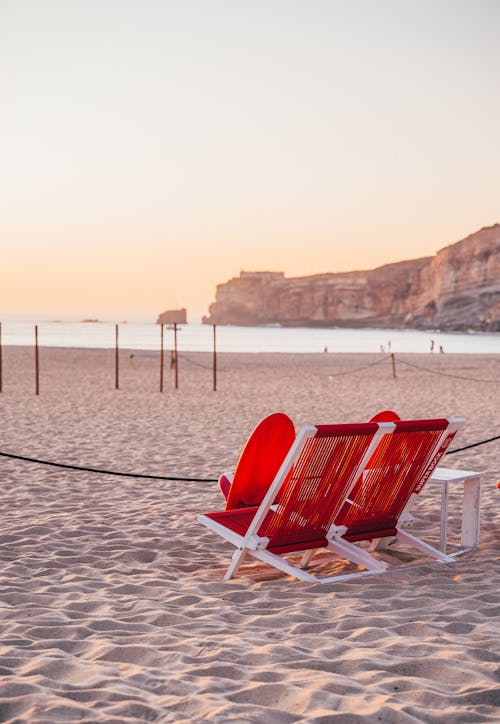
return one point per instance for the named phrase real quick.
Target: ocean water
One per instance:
(199, 337)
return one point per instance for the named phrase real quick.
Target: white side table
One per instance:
(472, 482)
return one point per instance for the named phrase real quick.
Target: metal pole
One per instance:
(176, 359)
(0, 356)
(116, 357)
(393, 361)
(161, 358)
(215, 359)
(37, 370)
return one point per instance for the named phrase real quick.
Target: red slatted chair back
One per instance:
(322, 476)
(400, 466)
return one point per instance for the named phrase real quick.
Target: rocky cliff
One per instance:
(458, 288)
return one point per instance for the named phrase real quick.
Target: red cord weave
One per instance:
(402, 463)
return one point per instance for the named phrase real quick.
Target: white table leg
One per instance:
(470, 512)
(444, 516)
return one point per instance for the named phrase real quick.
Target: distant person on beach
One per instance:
(389, 346)
(326, 349)
(131, 360)
(382, 349)
(441, 349)
(432, 345)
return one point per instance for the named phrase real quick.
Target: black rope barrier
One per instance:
(353, 370)
(444, 374)
(191, 361)
(357, 369)
(474, 444)
(107, 472)
(172, 478)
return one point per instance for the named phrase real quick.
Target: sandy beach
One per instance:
(112, 603)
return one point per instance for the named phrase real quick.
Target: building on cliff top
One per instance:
(262, 275)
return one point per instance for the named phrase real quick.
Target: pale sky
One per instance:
(151, 149)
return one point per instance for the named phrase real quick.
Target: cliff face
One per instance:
(459, 288)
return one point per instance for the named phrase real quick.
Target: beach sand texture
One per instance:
(112, 603)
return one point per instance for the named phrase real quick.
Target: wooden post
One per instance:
(215, 360)
(393, 362)
(37, 368)
(0, 356)
(176, 359)
(116, 357)
(161, 358)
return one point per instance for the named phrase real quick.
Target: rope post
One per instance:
(37, 366)
(0, 356)
(393, 363)
(161, 358)
(176, 358)
(215, 358)
(116, 357)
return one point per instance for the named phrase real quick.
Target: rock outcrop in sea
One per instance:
(457, 289)
(172, 316)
